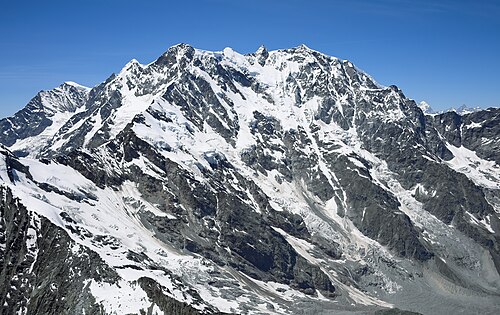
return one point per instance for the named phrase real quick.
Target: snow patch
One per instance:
(121, 298)
(482, 172)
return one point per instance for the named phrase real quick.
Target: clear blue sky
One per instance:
(444, 52)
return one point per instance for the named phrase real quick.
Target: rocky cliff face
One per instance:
(276, 182)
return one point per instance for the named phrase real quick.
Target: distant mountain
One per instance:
(44, 115)
(464, 109)
(277, 182)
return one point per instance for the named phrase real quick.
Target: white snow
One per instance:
(425, 107)
(3, 168)
(33, 145)
(482, 172)
(484, 223)
(61, 176)
(31, 240)
(77, 85)
(121, 298)
(473, 125)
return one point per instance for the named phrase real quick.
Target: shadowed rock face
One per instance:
(44, 265)
(224, 183)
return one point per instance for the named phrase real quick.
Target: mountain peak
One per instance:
(42, 117)
(464, 109)
(132, 65)
(133, 61)
(180, 49)
(304, 48)
(74, 84)
(262, 54)
(425, 107)
(175, 53)
(261, 50)
(67, 97)
(233, 55)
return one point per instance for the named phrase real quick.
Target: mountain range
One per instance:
(276, 182)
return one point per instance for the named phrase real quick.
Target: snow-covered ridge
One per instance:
(77, 85)
(462, 110)
(139, 85)
(281, 59)
(68, 97)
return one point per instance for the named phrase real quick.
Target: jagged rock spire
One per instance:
(262, 54)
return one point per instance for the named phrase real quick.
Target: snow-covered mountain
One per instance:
(278, 182)
(31, 127)
(464, 109)
(426, 108)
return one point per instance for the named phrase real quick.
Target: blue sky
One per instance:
(444, 52)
